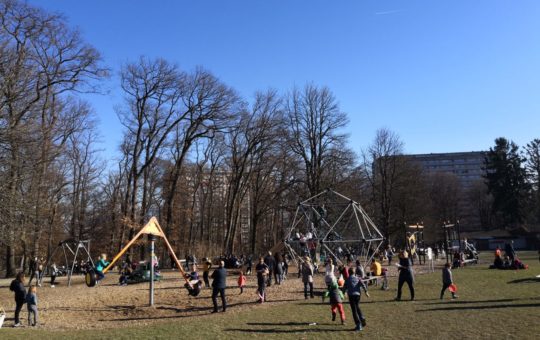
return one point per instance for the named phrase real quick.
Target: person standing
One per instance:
(405, 275)
(353, 284)
(31, 304)
(17, 286)
(206, 272)
(430, 259)
(307, 277)
(219, 284)
(389, 254)
(271, 263)
(262, 271)
(34, 270)
(54, 273)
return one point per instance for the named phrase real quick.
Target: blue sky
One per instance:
(445, 75)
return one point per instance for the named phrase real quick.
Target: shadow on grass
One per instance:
(517, 305)
(526, 280)
(281, 331)
(459, 302)
(286, 324)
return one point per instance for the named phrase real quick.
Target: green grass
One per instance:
(492, 304)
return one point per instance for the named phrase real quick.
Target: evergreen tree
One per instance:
(507, 183)
(532, 153)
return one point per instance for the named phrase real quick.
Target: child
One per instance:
(336, 299)
(54, 273)
(447, 280)
(31, 303)
(100, 266)
(384, 285)
(241, 282)
(206, 270)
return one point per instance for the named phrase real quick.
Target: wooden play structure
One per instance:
(152, 229)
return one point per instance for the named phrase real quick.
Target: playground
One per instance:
(492, 303)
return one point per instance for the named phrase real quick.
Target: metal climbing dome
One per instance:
(332, 225)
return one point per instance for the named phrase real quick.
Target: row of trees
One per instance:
(222, 173)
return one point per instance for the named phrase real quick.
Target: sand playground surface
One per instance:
(109, 305)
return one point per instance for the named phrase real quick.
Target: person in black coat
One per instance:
(270, 261)
(405, 274)
(219, 284)
(17, 286)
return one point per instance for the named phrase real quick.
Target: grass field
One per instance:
(492, 304)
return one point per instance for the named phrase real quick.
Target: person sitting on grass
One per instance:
(101, 264)
(336, 299)
(447, 280)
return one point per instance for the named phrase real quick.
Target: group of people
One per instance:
(509, 261)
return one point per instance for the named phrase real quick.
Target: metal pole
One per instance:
(151, 238)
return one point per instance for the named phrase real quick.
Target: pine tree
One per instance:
(507, 182)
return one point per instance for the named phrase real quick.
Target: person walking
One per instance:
(447, 280)
(353, 284)
(17, 286)
(405, 274)
(271, 263)
(219, 284)
(307, 277)
(262, 271)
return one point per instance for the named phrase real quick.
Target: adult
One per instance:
(405, 275)
(359, 270)
(389, 254)
(271, 263)
(278, 271)
(376, 269)
(307, 277)
(510, 252)
(262, 272)
(219, 284)
(17, 286)
(329, 268)
(34, 270)
(353, 284)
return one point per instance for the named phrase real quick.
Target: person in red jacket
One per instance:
(241, 282)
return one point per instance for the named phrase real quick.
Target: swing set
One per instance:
(74, 248)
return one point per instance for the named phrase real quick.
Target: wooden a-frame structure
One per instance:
(151, 228)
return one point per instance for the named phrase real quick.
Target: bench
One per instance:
(372, 280)
(470, 261)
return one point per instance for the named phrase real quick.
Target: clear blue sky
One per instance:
(445, 75)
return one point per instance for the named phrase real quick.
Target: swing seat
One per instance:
(195, 290)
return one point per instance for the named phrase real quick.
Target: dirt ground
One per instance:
(109, 305)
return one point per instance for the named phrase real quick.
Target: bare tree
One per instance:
(315, 130)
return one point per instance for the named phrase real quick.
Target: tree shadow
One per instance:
(522, 305)
(526, 280)
(286, 324)
(282, 331)
(470, 301)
